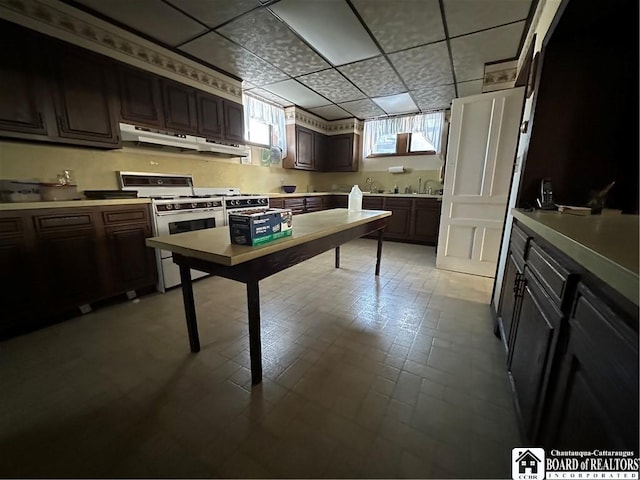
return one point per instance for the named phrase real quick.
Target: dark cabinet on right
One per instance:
(572, 346)
(342, 153)
(400, 221)
(140, 97)
(179, 103)
(426, 220)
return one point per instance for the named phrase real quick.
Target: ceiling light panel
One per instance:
(434, 98)
(218, 51)
(214, 12)
(395, 104)
(266, 36)
(166, 23)
(330, 112)
(297, 93)
(362, 108)
(424, 66)
(401, 24)
(332, 85)
(471, 52)
(375, 77)
(466, 16)
(330, 27)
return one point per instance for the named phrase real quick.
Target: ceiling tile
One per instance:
(394, 104)
(466, 16)
(297, 93)
(375, 77)
(332, 85)
(330, 112)
(471, 52)
(424, 66)
(218, 51)
(362, 108)
(166, 23)
(214, 12)
(330, 26)
(472, 87)
(402, 23)
(266, 36)
(434, 98)
(271, 97)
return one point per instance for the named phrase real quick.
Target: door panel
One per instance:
(481, 151)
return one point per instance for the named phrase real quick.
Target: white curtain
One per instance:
(429, 124)
(266, 113)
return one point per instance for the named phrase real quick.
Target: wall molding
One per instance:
(67, 23)
(296, 116)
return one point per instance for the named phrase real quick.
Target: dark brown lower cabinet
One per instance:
(55, 260)
(595, 402)
(426, 220)
(533, 350)
(400, 220)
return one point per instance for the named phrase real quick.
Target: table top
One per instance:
(214, 244)
(606, 245)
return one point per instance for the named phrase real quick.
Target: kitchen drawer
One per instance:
(372, 203)
(125, 215)
(295, 204)
(276, 203)
(555, 278)
(313, 204)
(11, 227)
(64, 221)
(391, 203)
(519, 242)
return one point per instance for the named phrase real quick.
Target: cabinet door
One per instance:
(400, 220)
(508, 307)
(595, 402)
(179, 107)
(233, 122)
(21, 100)
(319, 150)
(140, 99)
(341, 154)
(210, 116)
(83, 96)
(132, 263)
(532, 353)
(276, 203)
(304, 148)
(295, 204)
(426, 220)
(18, 279)
(313, 204)
(68, 257)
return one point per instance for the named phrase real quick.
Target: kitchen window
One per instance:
(264, 123)
(407, 135)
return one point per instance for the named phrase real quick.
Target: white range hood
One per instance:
(145, 137)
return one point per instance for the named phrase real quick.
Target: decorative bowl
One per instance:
(289, 188)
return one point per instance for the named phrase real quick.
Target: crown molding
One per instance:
(67, 23)
(296, 116)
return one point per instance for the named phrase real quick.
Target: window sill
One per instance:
(254, 144)
(406, 154)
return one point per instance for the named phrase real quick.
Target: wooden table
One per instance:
(211, 251)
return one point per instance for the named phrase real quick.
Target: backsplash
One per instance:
(95, 170)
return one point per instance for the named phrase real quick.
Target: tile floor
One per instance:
(398, 376)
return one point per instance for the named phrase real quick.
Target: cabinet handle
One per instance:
(60, 122)
(517, 284)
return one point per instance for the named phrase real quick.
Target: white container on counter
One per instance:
(51, 192)
(355, 199)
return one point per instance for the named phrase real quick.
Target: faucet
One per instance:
(373, 185)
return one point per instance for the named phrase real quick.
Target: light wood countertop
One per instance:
(72, 203)
(214, 244)
(606, 245)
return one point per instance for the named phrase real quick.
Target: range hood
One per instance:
(134, 136)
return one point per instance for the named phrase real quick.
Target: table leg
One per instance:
(337, 257)
(189, 308)
(379, 255)
(255, 345)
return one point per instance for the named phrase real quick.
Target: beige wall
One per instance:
(95, 169)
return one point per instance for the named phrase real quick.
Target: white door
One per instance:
(482, 144)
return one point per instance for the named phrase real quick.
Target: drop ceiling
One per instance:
(336, 58)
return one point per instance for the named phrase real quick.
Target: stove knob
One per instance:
(264, 201)
(235, 202)
(177, 206)
(209, 204)
(169, 206)
(194, 205)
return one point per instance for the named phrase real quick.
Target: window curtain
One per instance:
(429, 124)
(267, 113)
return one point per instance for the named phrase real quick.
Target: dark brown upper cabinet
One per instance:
(233, 121)
(210, 115)
(179, 107)
(21, 103)
(140, 98)
(342, 153)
